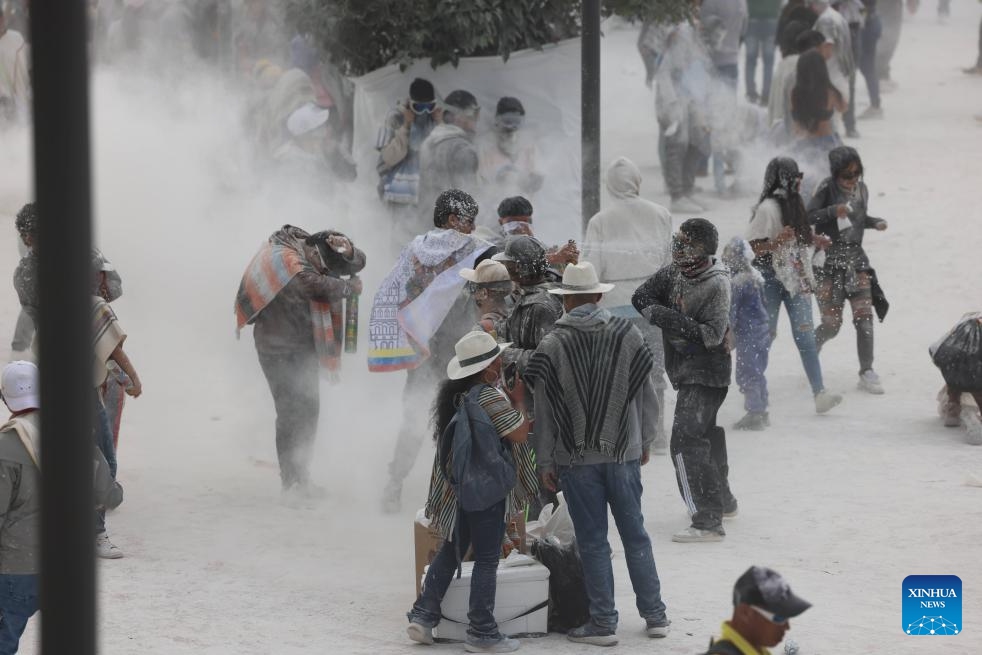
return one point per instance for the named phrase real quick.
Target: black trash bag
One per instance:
(959, 355)
(569, 606)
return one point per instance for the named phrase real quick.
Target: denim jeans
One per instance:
(484, 531)
(588, 490)
(104, 442)
(760, 42)
(802, 326)
(18, 603)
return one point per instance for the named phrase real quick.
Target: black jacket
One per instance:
(846, 250)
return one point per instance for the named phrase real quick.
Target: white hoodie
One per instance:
(629, 240)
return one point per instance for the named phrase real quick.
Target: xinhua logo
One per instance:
(932, 605)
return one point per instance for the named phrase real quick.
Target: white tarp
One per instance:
(548, 84)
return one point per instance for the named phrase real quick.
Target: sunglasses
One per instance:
(422, 107)
(770, 616)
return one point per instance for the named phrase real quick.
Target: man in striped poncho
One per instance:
(594, 427)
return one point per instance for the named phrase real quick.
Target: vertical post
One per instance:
(590, 109)
(61, 161)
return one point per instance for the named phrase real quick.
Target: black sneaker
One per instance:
(730, 508)
(591, 633)
(657, 628)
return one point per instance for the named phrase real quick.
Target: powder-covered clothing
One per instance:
(448, 159)
(792, 261)
(441, 504)
(534, 315)
(592, 388)
(846, 251)
(20, 494)
(630, 239)
(694, 315)
(724, 23)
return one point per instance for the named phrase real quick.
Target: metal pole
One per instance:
(590, 109)
(61, 161)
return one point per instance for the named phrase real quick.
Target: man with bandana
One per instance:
(690, 301)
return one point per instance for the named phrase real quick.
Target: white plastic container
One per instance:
(520, 588)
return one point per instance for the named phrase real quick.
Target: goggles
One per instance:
(423, 107)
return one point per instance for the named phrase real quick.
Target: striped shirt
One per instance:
(441, 504)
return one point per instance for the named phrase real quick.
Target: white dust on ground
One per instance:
(844, 505)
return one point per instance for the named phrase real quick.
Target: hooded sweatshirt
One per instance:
(550, 447)
(629, 240)
(448, 159)
(694, 315)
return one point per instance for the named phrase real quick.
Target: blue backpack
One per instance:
(482, 469)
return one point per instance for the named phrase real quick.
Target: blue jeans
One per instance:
(18, 603)
(751, 366)
(588, 490)
(104, 441)
(802, 326)
(484, 531)
(760, 41)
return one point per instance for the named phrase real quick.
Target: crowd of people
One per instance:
(535, 368)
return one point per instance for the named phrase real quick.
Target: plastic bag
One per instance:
(959, 354)
(554, 545)
(554, 525)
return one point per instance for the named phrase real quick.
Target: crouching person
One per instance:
(482, 473)
(20, 500)
(594, 427)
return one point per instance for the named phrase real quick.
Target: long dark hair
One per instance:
(446, 402)
(810, 96)
(781, 184)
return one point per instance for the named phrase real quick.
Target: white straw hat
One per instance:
(475, 352)
(20, 387)
(306, 119)
(581, 278)
(487, 273)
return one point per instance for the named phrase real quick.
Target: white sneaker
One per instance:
(973, 426)
(421, 634)
(869, 382)
(693, 535)
(105, 548)
(824, 401)
(685, 205)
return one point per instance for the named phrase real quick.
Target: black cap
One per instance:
(514, 206)
(765, 588)
(701, 231)
(422, 90)
(509, 105)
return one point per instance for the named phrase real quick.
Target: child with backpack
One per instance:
(482, 473)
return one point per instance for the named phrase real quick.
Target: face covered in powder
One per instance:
(687, 254)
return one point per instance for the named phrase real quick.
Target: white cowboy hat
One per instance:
(475, 352)
(488, 272)
(581, 278)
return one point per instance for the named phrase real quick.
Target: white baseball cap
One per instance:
(20, 385)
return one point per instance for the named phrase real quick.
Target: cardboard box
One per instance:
(427, 542)
(521, 601)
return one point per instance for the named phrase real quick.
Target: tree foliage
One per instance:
(362, 35)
